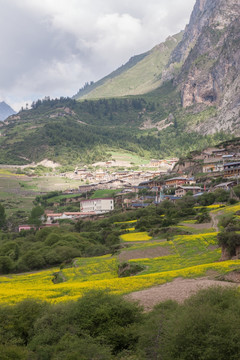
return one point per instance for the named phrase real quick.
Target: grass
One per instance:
(15, 197)
(133, 159)
(104, 193)
(58, 198)
(228, 209)
(144, 77)
(193, 230)
(17, 192)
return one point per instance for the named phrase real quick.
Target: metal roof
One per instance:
(177, 178)
(232, 163)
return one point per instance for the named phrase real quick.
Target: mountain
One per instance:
(141, 74)
(203, 63)
(5, 111)
(180, 96)
(209, 60)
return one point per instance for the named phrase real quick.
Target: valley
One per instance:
(120, 205)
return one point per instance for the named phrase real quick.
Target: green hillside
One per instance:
(71, 132)
(141, 74)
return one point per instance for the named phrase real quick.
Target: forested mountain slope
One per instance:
(73, 132)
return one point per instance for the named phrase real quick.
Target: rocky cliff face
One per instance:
(209, 59)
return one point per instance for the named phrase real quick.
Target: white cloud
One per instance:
(52, 47)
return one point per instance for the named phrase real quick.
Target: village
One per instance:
(206, 172)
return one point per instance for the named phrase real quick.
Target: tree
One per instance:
(33, 260)
(229, 240)
(205, 327)
(35, 216)
(6, 264)
(2, 217)
(12, 352)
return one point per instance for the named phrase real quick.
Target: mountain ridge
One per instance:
(5, 111)
(203, 65)
(141, 74)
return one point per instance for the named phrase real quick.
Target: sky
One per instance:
(53, 47)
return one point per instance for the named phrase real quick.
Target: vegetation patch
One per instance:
(128, 269)
(58, 277)
(137, 236)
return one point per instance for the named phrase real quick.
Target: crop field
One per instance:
(104, 193)
(134, 159)
(17, 191)
(189, 256)
(229, 209)
(13, 196)
(136, 236)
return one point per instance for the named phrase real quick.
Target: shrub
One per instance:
(128, 269)
(205, 327)
(229, 240)
(6, 264)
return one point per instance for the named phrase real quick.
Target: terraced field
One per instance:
(185, 256)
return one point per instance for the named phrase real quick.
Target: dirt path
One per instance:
(214, 217)
(178, 290)
(147, 253)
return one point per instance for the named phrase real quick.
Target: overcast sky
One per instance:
(52, 47)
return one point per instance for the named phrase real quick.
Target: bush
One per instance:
(6, 265)
(34, 260)
(205, 327)
(221, 195)
(206, 199)
(128, 269)
(13, 352)
(203, 217)
(229, 240)
(226, 220)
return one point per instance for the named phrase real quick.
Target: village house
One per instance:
(117, 184)
(177, 181)
(172, 198)
(183, 190)
(26, 227)
(53, 217)
(213, 165)
(219, 152)
(213, 153)
(29, 227)
(101, 205)
(88, 187)
(225, 186)
(232, 169)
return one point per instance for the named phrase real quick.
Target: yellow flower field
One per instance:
(39, 285)
(138, 236)
(189, 256)
(189, 222)
(228, 209)
(210, 207)
(126, 222)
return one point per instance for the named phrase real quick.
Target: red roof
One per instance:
(54, 215)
